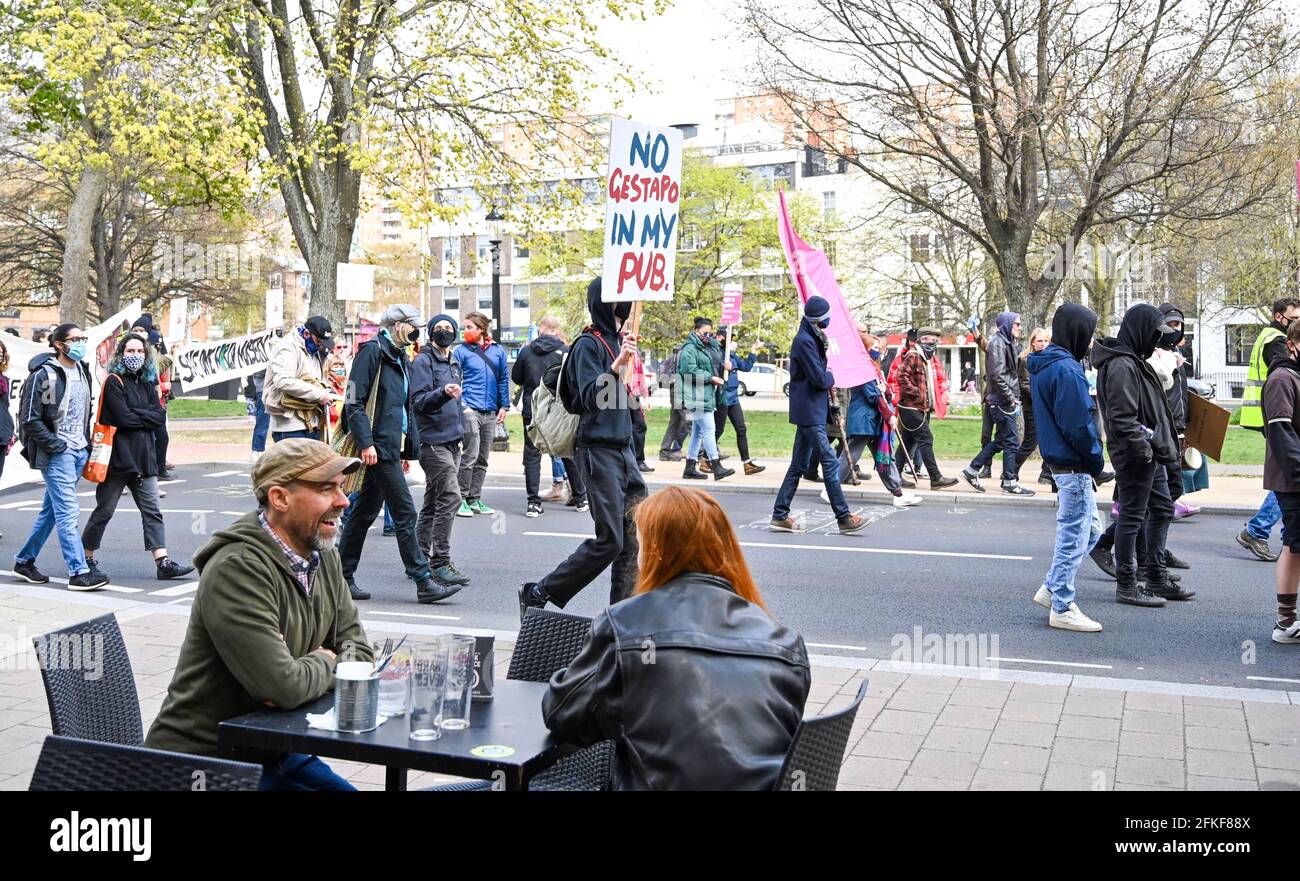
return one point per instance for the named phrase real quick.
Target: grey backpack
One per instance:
(554, 430)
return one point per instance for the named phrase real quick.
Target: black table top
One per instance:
(512, 719)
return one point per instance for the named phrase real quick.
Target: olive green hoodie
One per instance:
(253, 636)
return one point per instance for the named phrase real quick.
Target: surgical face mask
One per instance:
(443, 337)
(76, 351)
(133, 362)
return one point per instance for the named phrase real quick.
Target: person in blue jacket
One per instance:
(810, 387)
(733, 411)
(486, 398)
(1071, 448)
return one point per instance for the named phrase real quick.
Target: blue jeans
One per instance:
(59, 510)
(294, 772)
(261, 423)
(557, 470)
(809, 441)
(1078, 526)
(1263, 522)
(702, 434)
(1006, 439)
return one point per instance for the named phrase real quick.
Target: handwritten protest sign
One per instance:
(205, 364)
(642, 209)
(732, 294)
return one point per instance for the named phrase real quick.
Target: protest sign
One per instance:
(205, 364)
(642, 209)
(732, 295)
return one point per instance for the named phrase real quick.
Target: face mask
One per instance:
(443, 338)
(928, 348)
(133, 362)
(473, 335)
(309, 342)
(875, 354)
(76, 351)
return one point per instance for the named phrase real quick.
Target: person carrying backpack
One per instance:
(534, 360)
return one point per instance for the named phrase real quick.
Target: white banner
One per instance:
(178, 319)
(642, 208)
(355, 281)
(204, 364)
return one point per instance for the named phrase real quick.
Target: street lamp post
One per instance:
(496, 222)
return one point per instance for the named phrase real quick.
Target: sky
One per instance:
(684, 59)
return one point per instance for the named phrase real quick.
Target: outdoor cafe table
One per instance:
(506, 739)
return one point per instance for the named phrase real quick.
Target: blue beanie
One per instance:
(816, 309)
(455, 328)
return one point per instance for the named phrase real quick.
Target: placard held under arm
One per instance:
(1207, 426)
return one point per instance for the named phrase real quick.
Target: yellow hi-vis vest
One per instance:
(1252, 410)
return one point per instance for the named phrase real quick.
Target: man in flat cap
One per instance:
(271, 615)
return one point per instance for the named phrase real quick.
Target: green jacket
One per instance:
(252, 638)
(694, 370)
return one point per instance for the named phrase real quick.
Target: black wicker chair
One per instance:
(67, 764)
(548, 642)
(817, 751)
(105, 708)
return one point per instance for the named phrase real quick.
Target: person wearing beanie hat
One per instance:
(810, 387)
(439, 419)
(387, 439)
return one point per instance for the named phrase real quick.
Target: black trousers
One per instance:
(1144, 501)
(384, 482)
(1107, 541)
(614, 487)
(677, 431)
(986, 425)
(160, 442)
(918, 440)
(1029, 441)
(533, 473)
(638, 434)
(737, 417)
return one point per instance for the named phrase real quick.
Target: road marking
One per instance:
(233, 513)
(1271, 679)
(119, 589)
(181, 600)
(772, 544)
(227, 473)
(175, 591)
(416, 615)
(1052, 663)
(9, 506)
(831, 645)
(166, 483)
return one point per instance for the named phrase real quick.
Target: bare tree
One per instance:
(1054, 116)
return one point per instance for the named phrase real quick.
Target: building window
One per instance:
(519, 299)
(485, 298)
(522, 250)
(451, 300)
(920, 247)
(828, 207)
(276, 281)
(450, 255)
(1240, 339)
(920, 305)
(830, 253)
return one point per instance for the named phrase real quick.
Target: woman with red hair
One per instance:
(697, 684)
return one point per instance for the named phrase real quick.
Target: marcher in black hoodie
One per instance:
(1140, 439)
(534, 360)
(591, 386)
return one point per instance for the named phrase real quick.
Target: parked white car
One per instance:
(765, 378)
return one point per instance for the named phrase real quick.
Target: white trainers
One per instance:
(906, 500)
(1287, 635)
(1073, 619)
(1043, 597)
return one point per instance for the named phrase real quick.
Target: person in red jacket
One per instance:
(922, 393)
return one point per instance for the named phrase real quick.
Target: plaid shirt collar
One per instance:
(304, 570)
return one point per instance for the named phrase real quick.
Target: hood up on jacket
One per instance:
(1004, 322)
(1072, 328)
(603, 315)
(1141, 330)
(1170, 312)
(546, 344)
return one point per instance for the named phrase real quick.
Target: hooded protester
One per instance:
(1072, 450)
(810, 387)
(591, 386)
(1168, 359)
(386, 442)
(531, 365)
(1002, 394)
(1140, 440)
(1281, 408)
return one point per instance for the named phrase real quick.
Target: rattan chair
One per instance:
(817, 751)
(67, 764)
(548, 642)
(89, 684)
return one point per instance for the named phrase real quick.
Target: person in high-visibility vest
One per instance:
(1270, 344)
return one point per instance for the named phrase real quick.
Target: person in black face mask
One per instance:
(591, 385)
(1140, 439)
(531, 365)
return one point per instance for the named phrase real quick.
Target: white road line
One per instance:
(772, 544)
(227, 473)
(1271, 679)
(117, 588)
(831, 645)
(1052, 663)
(416, 615)
(181, 600)
(166, 483)
(176, 590)
(9, 506)
(233, 513)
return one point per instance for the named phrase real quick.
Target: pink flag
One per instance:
(846, 356)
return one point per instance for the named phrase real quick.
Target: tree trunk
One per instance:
(78, 249)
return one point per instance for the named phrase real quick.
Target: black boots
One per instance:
(1168, 590)
(719, 470)
(692, 473)
(169, 568)
(427, 590)
(1129, 591)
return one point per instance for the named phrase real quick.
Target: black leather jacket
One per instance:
(698, 688)
(1001, 369)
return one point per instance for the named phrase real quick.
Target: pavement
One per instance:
(968, 687)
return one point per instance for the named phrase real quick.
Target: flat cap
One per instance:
(298, 458)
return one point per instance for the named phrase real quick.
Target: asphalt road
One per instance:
(963, 575)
